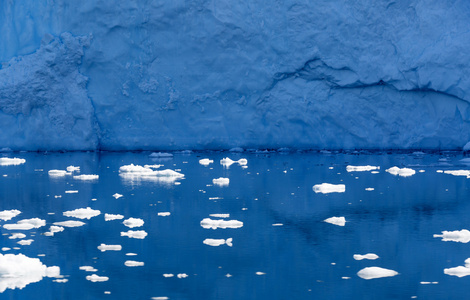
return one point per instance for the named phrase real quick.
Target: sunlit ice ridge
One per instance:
(168, 75)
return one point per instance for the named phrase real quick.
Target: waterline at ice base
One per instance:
(169, 75)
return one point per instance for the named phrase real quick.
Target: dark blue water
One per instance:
(305, 258)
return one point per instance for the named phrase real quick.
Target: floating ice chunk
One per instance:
(36, 222)
(69, 223)
(110, 217)
(462, 236)
(220, 215)
(375, 272)
(86, 177)
(371, 256)
(168, 275)
(227, 162)
(467, 262)
(160, 155)
(133, 263)
(88, 269)
(137, 234)
(82, 213)
(25, 242)
(96, 278)
(159, 298)
(369, 189)
(404, 172)
(55, 229)
(218, 242)
(152, 166)
(361, 168)
(214, 224)
(182, 275)
(168, 173)
(58, 173)
(459, 271)
(6, 249)
(136, 169)
(133, 222)
(326, 188)
(278, 224)
(164, 214)
(63, 280)
(5, 161)
(70, 192)
(117, 195)
(260, 273)
(104, 247)
(73, 169)
(24, 226)
(17, 236)
(136, 173)
(7, 215)
(458, 172)
(17, 271)
(205, 161)
(340, 221)
(221, 181)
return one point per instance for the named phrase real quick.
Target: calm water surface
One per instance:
(284, 248)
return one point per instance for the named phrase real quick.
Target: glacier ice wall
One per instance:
(219, 74)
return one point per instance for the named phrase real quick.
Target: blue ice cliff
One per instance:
(136, 74)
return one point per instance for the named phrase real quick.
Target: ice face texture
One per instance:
(223, 74)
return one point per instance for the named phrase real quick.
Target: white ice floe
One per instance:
(260, 273)
(160, 155)
(133, 263)
(465, 173)
(135, 234)
(340, 221)
(104, 247)
(168, 275)
(133, 222)
(214, 224)
(218, 242)
(136, 173)
(69, 223)
(86, 177)
(82, 213)
(17, 236)
(117, 195)
(24, 226)
(70, 192)
(370, 256)
(376, 272)
(36, 222)
(361, 168)
(461, 236)
(7, 215)
(153, 166)
(25, 242)
(17, 271)
(278, 224)
(131, 254)
(369, 189)
(160, 298)
(205, 161)
(88, 269)
(326, 188)
(404, 172)
(6, 161)
(110, 217)
(220, 215)
(73, 169)
(96, 278)
(182, 275)
(58, 173)
(221, 181)
(227, 162)
(63, 280)
(164, 214)
(53, 229)
(459, 271)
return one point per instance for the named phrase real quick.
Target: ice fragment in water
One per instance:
(404, 172)
(86, 177)
(220, 215)
(58, 173)
(136, 234)
(205, 161)
(462, 236)
(326, 188)
(133, 263)
(218, 242)
(133, 222)
(361, 168)
(7, 215)
(340, 221)
(96, 278)
(459, 271)
(25, 242)
(221, 181)
(182, 275)
(69, 223)
(6, 161)
(164, 214)
(110, 217)
(214, 224)
(82, 213)
(104, 247)
(227, 162)
(160, 155)
(371, 256)
(73, 169)
(88, 269)
(117, 195)
(375, 272)
(17, 236)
